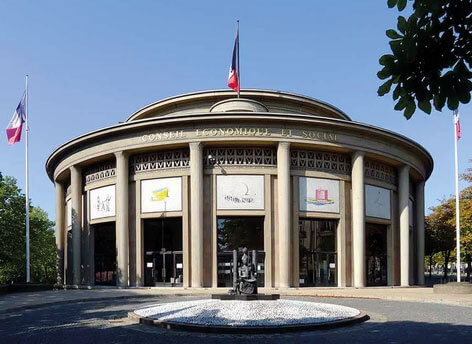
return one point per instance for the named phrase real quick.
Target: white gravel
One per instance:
(246, 313)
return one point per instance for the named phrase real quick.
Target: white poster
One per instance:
(377, 202)
(162, 194)
(240, 192)
(69, 213)
(102, 202)
(316, 194)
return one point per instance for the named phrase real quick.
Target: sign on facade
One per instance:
(161, 194)
(240, 192)
(102, 202)
(317, 194)
(377, 202)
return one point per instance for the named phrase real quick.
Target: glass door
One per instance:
(105, 253)
(163, 252)
(317, 255)
(234, 233)
(376, 254)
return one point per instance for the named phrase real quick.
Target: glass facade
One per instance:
(163, 252)
(317, 254)
(105, 253)
(376, 254)
(234, 233)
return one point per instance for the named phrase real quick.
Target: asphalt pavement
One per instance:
(106, 321)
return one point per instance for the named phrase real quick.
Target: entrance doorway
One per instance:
(235, 233)
(376, 254)
(105, 253)
(317, 244)
(163, 252)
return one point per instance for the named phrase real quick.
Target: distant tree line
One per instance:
(13, 239)
(440, 231)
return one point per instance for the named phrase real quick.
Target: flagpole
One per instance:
(28, 280)
(239, 67)
(458, 230)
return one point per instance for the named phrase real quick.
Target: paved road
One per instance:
(106, 322)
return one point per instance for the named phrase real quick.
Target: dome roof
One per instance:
(220, 101)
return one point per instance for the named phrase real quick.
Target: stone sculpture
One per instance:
(244, 273)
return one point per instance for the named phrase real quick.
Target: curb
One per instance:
(248, 329)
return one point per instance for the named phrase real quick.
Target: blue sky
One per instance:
(93, 63)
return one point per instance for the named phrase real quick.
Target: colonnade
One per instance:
(284, 255)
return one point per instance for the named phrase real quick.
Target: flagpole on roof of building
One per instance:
(27, 189)
(458, 228)
(239, 67)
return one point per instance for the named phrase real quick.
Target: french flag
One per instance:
(233, 78)
(16, 122)
(457, 123)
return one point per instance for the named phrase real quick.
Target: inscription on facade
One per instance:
(315, 135)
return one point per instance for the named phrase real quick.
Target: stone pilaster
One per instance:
(284, 210)
(358, 220)
(60, 230)
(419, 200)
(403, 192)
(122, 231)
(76, 202)
(196, 213)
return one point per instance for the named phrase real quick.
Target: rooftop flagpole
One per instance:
(28, 279)
(458, 228)
(239, 67)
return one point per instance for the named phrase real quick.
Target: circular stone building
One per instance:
(163, 198)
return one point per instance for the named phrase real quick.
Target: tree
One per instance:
(431, 56)
(12, 237)
(466, 222)
(440, 225)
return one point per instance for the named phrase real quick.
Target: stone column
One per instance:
(283, 181)
(76, 202)
(358, 220)
(196, 213)
(60, 229)
(419, 200)
(122, 230)
(403, 191)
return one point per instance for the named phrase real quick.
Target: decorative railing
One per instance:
(255, 156)
(320, 161)
(100, 171)
(155, 161)
(380, 171)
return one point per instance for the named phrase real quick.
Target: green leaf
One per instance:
(402, 103)
(439, 101)
(393, 34)
(452, 102)
(401, 24)
(385, 88)
(425, 106)
(401, 5)
(396, 47)
(391, 3)
(387, 60)
(410, 109)
(464, 98)
(396, 92)
(384, 73)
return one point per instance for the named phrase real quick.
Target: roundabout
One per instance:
(247, 316)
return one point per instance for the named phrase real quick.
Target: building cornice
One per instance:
(88, 139)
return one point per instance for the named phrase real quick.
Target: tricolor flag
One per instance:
(16, 122)
(458, 124)
(233, 78)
